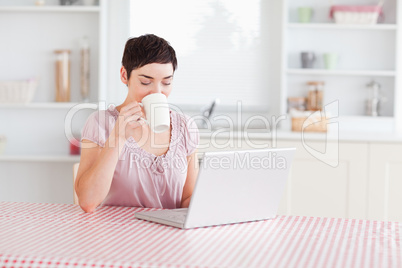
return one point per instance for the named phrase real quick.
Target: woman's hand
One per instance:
(130, 118)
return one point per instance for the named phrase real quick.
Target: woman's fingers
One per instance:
(135, 120)
(132, 114)
(131, 110)
(132, 118)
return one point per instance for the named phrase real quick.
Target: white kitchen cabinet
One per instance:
(333, 183)
(385, 182)
(37, 179)
(365, 52)
(360, 180)
(316, 188)
(36, 165)
(27, 51)
(347, 179)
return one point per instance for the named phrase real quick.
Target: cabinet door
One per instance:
(316, 188)
(38, 182)
(385, 182)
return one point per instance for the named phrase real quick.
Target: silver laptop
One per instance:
(232, 187)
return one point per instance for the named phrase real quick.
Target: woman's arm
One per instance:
(97, 164)
(192, 173)
(95, 174)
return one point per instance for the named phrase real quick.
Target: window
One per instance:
(219, 45)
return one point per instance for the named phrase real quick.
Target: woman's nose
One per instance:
(157, 89)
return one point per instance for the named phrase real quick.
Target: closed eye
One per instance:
(167, 81)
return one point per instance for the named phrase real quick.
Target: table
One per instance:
(62, 235)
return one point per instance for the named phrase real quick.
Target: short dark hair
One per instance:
(146, 49)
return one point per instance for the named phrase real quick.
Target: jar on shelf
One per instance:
(62, 75)
(315, 95)
(296, 103)
(375, 98)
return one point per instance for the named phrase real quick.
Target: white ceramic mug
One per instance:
(157, 112)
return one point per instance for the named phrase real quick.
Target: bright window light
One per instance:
(219, 45)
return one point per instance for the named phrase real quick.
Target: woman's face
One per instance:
(149, 79)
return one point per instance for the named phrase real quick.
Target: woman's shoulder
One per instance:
(103, 117)
(188, 130)
(99, 124)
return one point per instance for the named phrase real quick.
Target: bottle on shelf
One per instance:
(62, 75)
(85, 68)
(315, 95)
(375, 97)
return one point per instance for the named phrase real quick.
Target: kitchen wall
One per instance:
(41, 131)
(34, 156)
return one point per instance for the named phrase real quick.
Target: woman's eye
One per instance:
(166, 84)
(145, 84)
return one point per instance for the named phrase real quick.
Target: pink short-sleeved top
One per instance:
(142, 179)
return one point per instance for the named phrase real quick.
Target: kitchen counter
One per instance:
(345, 136)
(351, 129)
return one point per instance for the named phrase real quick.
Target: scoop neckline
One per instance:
(132, 143)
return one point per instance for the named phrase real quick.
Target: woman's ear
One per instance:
(123, 75)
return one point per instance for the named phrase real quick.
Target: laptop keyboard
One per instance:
(177, 218)
(174, 215)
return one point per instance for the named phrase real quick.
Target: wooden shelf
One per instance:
(50, 8)
(333, 26)
(370, 73)
(41, 158)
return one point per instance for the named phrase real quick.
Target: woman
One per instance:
(122, 161)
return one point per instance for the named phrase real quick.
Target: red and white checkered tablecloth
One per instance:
(55, 235)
